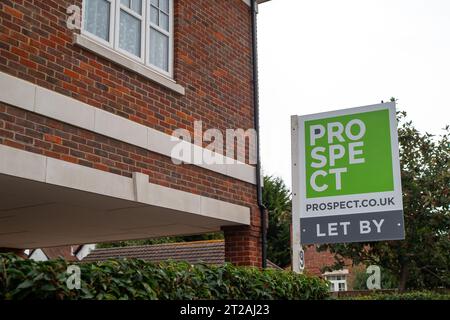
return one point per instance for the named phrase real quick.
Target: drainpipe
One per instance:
(261, 206)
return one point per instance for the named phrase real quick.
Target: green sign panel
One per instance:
(348, 155)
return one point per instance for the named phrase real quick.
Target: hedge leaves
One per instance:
(141, 280)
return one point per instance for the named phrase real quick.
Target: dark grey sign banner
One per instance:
(357, 227)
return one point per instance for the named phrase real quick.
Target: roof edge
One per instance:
(258, 1)
(187, 243)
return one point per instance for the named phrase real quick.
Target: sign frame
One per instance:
(300, 200)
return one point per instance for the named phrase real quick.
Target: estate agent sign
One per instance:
(346, 176)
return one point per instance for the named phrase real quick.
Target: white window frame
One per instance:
(149, 25)
(114, 32)
(335, 283)
(111, 26)
(118, 9)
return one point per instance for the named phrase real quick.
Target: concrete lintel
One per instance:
(138, 189)
(27, 96)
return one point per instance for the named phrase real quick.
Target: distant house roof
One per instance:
(209, 252)
(66, 252)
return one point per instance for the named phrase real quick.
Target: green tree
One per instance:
(277, 199)
(422, 260)
(388, 281)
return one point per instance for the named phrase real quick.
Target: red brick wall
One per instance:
(315, 261)
(242, 245)
(212, 61)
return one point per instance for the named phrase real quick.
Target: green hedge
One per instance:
(413, 295)
(137, 279)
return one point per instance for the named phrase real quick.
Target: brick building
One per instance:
(87, 110)
(316, 263)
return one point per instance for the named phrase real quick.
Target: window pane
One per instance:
(154, 15)
(96, 20)
(164, 21)
(130, 33)
(159, 49)
(136, 6)
(155, 3)
(164, 5)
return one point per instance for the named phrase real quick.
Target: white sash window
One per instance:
(97, 19)
(130, 19)
(138, 29)
(159, 29)
(337, 282)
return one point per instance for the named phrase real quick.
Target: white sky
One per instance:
(321, 55)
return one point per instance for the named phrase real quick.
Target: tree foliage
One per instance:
(277, 199)
(388, 281)
(422, 260)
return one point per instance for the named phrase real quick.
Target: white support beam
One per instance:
(48, 202)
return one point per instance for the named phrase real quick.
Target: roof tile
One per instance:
(209, 252)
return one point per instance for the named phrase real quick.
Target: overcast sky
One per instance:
(321, 55)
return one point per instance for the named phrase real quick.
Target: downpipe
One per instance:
(261, 206)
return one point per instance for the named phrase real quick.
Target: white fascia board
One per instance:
(60, 107)
(30, 97)
(66, 174)
(17, 91)
(241, 171)
(13, 163)
(165, 197)
(120, 128)
(136, 189)
(336, 272)
(220, 209)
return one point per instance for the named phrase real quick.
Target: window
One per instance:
(337, 282)
(138, 29)
(159, 33)
(130, 18)
(97, 17)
